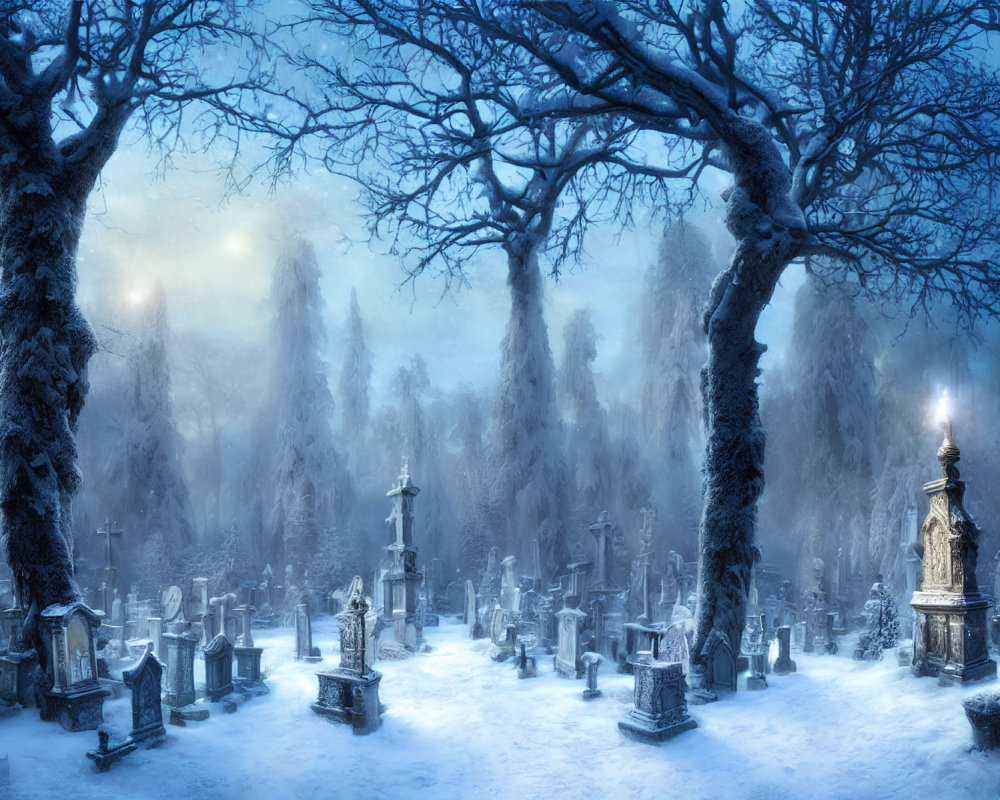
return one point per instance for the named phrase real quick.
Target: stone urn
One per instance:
(983, 711)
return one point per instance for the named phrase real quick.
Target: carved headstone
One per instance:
(568, 662)
(218, 668)
(75, 698)
(144, 679)
(350, 692)
(179, 689)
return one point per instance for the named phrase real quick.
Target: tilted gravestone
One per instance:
(144, 679)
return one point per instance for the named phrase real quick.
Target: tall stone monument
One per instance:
(401, 583)
(949, 613)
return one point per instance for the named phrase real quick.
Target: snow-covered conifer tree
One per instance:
(831, 369)
(355, 378)
(672, 336)
(527, 463)
(587, 454)
(310, 485)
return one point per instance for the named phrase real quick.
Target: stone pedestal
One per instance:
(248, 663)
(179, 690)
(17, 671)
(345, 697)
(660, 710)
(949, 628)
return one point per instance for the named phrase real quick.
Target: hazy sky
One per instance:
(215, 256)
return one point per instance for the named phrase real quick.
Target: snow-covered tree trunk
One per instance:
(530, 473)
(45, 344)
(734, 477)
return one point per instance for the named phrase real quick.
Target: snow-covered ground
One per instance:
(460, 726)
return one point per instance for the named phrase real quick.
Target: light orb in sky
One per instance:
(942, 412)
(135, 297)
(236, 245)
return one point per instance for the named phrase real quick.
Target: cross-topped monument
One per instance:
(110, 576)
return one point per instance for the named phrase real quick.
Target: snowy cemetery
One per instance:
(514, 684)
(510, 399)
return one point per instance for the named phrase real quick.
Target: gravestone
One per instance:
(508, 585)
(144, 679)
(147, 715)
(173, 602)
(75, 698)
(591, 662)
(949, 631)
(179, 688)
(469, 609)
(218, 668)
(659, 709)
(17, 678)
(304, 649)
(568, 663)
(783, 664)
(718, 662)
(349, 693)
(247, 656)
(154, 632)
(674, 647)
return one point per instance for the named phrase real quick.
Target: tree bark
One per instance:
(45, 345)
(734, 461)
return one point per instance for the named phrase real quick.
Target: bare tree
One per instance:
(864, 132)
(439, 122)
(72, 77)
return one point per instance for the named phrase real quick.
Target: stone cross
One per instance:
(221, 606)
(107, 532)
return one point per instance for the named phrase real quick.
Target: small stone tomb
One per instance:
(144, 679)
(350, 692)
(75, 699)
(218, 668)
(660, 710)
(304, 650)
(783, 664)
